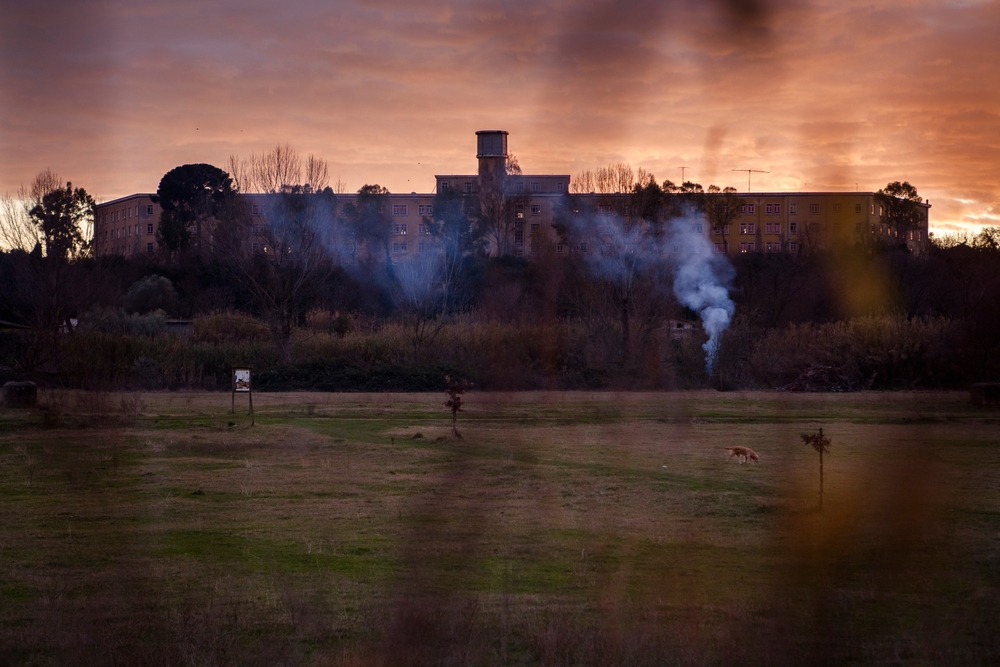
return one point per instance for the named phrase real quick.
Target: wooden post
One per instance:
(252, 423)
(821, 470)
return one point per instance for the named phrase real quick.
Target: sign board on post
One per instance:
(241, 383)
(241, 379)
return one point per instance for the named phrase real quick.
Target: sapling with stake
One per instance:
(455, 390)
(821, 444)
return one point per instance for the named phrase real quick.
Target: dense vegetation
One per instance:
(886, 320)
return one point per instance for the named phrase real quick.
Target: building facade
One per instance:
(127, 226)
(789, 222)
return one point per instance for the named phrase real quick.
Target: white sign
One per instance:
(241, 379)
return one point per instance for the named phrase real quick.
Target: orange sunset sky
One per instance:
(826, 95)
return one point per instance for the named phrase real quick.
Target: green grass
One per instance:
(563, 528)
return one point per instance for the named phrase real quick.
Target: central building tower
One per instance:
(491, 149)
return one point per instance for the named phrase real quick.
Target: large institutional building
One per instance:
(787, 222)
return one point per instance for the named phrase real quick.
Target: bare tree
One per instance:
(17, 229)
(620, 240)
(416, 291)
(283, 270)
(277, 170)
(617, 178)
(317, 174)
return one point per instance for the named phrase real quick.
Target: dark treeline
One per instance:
(333, 310)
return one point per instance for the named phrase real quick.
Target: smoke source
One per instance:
(701, 280)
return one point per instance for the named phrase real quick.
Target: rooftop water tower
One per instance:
(491, 149)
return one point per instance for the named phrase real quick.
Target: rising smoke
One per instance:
(701, 279)
(626, 254)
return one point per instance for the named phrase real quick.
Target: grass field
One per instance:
(561, 529)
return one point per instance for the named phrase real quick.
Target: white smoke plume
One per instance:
(701, 279)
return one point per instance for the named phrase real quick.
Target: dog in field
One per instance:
(742, 454)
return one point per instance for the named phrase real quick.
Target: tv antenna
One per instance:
(752, 171)
(682, 174)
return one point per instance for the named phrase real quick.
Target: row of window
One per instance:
(121, 232)
(125, 213)
(751, 228)
(402, 248)
(793, 209)
(404, 209)
(400, 229)
(770, 246)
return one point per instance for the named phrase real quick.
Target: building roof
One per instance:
(126, 198)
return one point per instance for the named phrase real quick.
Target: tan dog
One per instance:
(743, 453)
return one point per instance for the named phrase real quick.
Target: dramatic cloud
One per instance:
(823, 94)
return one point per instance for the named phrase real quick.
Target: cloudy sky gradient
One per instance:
(825, 95)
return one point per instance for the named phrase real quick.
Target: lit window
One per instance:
(519, 211)
(813, 209)
(747, 228)
(536, 209)
(746, 247)
(772, 209)
(748, 209)
(149, 228)
(399, 229)
(399, 209)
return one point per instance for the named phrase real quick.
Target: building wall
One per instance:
(804, 221)
(127, 226)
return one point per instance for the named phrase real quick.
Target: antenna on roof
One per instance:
(752, 171)
(682, 174)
